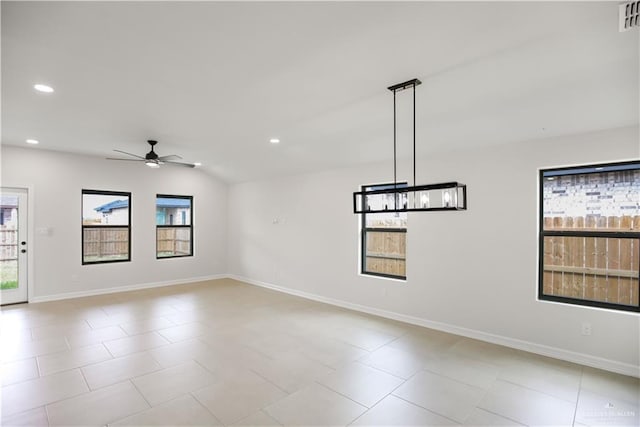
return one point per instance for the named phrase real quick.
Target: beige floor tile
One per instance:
(196, 315)
(367, 339)
(101, 321)
(146, 325)
(442, 395)
(95, 336)
(291, 373)
(291, 343)
(361, 383)
(60, 330)
(26, 349)
(464, 369)
(182, 411)
(483, 351)
(332, 353)
(185, 331)
(33, 418)
(172, 382)
(258, 419)
(613, 386)
(480, 417)
(425, 342)
(397, 362)
(134, 344)
(393, 411)
(180, 352)
(315, 405)
(21, 370)
(11, 333)
(600, 410)
(225, 361)
(116, 370)
(552, 380)
(239, 397)
(527, 406)
(73, 358)
(98, 407)
(41, 391)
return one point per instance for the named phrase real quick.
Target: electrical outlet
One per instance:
(586, 328)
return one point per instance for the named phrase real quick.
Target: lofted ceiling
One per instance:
(215, 81)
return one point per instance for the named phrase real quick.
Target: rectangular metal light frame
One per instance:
(461, 204)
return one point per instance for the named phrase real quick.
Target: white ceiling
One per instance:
(214, 81)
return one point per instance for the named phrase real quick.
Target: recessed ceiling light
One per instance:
(32, 141)
(43, 88)
(274, 141)
(197, 164)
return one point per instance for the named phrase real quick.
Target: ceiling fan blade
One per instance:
(126, 160)
(186, 165)
(130, 154)
(170, 157)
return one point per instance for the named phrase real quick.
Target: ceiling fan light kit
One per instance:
(152, 159)
(446, 196)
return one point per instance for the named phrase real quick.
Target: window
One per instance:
(106, 234)
(384, 239)
(174, 226)
(590, 235)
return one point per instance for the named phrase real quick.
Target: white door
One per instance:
(13, 245)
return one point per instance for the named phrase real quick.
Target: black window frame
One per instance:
(190, 226)
(128, 226)
(542, 233)
(363, 237)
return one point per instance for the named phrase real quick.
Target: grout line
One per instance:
(428, 410)
(205, 407)
(140, 393)
(575, 411)
(271, 382)
(538, 391)
(500, 415)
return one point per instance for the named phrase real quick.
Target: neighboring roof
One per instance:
(173, 203)
(160, 203)
(8, 201)
(116, 204)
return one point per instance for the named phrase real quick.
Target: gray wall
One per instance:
(472, 272)
(56, 181)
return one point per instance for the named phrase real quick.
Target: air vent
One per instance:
(629, 15)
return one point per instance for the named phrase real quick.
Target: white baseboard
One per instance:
(93, 292)
(557, 353)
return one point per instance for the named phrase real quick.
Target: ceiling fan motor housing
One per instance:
(151, 155)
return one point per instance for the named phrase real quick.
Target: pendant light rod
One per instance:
(396, 88)
(395, 181)
(414, 135)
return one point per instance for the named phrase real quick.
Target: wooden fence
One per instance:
(386, 252)
(106, 242)
(174, 241)
(8, 244)
(592, 268)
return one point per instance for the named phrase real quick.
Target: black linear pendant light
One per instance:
(444, 196)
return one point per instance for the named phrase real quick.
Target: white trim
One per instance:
(557, 353)
(93, 292)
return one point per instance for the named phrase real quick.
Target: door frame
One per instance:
(30, 233)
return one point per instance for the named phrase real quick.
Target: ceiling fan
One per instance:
(152, 159)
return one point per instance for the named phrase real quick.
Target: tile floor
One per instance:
(226, 353)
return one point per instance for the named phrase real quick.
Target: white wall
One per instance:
(474, 272)
(56, 181)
